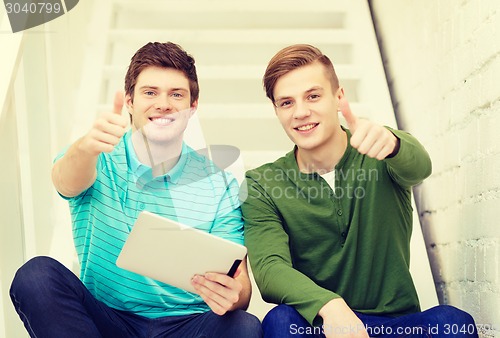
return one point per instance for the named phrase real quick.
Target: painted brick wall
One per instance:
(443, 61)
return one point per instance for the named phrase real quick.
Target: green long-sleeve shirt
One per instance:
(309, 244)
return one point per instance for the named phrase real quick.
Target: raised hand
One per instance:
(76, 170)
(107, 130)
(367, 137)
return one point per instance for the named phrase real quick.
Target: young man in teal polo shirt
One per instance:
(109, 176)
(328, 225)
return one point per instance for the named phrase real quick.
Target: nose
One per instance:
(301, 110)
(163, 103)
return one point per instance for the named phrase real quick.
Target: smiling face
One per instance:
(306, 106)
(161, 106)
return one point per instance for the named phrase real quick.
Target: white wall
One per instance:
(443, 59)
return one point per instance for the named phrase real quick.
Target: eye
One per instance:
(149, 93)
(314, 97)
(177, 95)
(285, 104)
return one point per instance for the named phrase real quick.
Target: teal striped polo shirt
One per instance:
(195, 192)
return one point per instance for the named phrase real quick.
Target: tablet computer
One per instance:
(173, 253)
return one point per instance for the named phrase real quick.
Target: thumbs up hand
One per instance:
(107, 129)
(367, 137)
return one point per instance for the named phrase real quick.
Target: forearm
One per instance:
(412, 164)
(75, 171)
(280, 283)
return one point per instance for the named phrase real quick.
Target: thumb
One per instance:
(118, 103)
(349, 116)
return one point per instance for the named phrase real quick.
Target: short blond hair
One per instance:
(293, 57)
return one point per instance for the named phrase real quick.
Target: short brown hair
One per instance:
(293, 57)
(164, 55)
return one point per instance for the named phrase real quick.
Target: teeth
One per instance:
(306, 127)
(161, 120)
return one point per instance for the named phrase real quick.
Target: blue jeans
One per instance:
(438, 322)
(53, 302)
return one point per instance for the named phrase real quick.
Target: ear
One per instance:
(339, 94)
(194, 107)
(129, 102)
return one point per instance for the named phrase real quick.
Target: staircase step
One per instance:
(230, 6)
(222, 52)
(234, 14)
(230, 36)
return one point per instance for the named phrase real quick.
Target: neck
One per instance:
(324, 158)
(160, 156)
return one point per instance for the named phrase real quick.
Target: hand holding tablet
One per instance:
(174, 253)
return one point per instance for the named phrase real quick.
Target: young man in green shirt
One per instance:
(328, 225)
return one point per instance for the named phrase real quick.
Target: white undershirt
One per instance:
(330, 178)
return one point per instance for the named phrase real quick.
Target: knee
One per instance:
(281, 317)
(33, 275)
(454, 315)
(450, 317)
(245, 324)
(246, 319)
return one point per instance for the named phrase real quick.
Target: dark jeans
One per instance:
(52, 302)
(438, 322)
